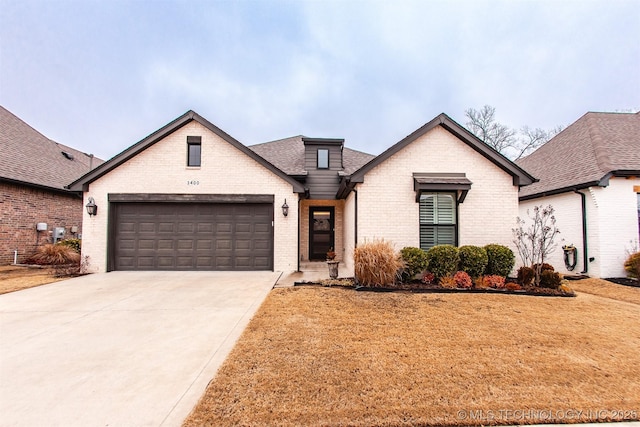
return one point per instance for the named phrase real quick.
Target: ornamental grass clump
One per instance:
(500, 260)
(443, 260)
(473, 260)
(632, 265)
(55, 255)
(376, 264)
(415, 261)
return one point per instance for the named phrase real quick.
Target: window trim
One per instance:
(194, 141)
(455, 225)
(324, 150)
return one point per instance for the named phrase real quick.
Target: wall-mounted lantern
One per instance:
(285, 208)
(92, 208)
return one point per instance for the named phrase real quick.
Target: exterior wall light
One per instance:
(92, 208)
(285, 208)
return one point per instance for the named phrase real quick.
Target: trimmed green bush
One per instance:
(550, 279)
(75, 244)
(526, 276)
(632, 265)
(415, 261)
(443, 260)
(501, 260)
(473, 260)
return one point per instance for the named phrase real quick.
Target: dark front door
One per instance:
(321, 232)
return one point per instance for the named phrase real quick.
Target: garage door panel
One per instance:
(205, 236)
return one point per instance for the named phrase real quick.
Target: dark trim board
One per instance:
(190, 198)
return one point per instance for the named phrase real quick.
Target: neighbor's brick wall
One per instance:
(162, 169)
(22, 207)
(387, 207)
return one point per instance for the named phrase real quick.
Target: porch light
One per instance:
(92, 208)
(285, 208)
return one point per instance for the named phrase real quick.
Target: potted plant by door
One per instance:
(332, 264)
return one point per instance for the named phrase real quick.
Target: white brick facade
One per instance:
(612, 226)
(387, 206)
(162, 168)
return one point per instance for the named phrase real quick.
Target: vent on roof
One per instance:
(67, 155)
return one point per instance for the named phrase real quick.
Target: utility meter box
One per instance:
(58, 234)
(41, 226)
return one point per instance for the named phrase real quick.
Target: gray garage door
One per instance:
(192, 236)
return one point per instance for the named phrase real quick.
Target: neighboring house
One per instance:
(590, 174)
(33, 173)
(189, 196)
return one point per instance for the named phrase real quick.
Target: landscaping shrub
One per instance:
(513, 286)
(632, 265)
(443, 260)
(376, 263)
(54, 255)
(428, 278)
(543, 267)
(463, 280)
(526, 276)
(415, 261)
(501, 260)
(448, 282)
(75, 244)
(473, 260)
(493, 281)
(479, 283)
(550, 279)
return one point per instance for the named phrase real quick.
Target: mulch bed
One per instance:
(419, 287)
(626, 281)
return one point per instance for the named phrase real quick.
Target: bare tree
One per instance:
(510, 142)
(536, 242)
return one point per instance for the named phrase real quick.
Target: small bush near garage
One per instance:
(550, 279)
(473, 260)
(54, 255)
(376, 264)
(75, 244)
(443, 260)
(493, 281)
(500, 260)
(415, 261)
(632, 265)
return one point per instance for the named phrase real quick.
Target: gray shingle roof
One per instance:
(288, 155)
(585, 154)
(29, 157)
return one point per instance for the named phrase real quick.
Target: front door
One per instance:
(321, 232)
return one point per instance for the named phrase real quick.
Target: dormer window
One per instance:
(323, 158)
(194, 150)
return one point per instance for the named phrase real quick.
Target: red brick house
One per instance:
(33, 173)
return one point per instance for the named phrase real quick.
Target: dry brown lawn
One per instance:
(15, 278)
(607, 289)
(317, 356)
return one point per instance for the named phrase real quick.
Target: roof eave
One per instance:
(41, 187)
(82, 183)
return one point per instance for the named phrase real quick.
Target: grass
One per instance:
(13, 278)
(326, 356)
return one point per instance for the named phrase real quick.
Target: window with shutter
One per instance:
(438, 219)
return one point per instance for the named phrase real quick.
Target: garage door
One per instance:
(192, 236)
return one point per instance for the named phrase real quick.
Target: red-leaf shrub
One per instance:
(463, 280)
(428, 278)
(493, 281)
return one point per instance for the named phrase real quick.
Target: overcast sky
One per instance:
(101, 75)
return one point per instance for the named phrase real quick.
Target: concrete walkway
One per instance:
(122, 348)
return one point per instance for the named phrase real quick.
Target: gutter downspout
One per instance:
(355, 231)
(585, 255)
(299, 226)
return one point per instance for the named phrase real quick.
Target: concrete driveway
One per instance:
(122, 348)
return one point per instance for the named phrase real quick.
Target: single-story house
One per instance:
(590, 174)
(35, 206)
(190, 196)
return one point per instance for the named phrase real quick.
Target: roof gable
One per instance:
(163, 132)
(587, 153)
(30, 158)
(520, 176)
